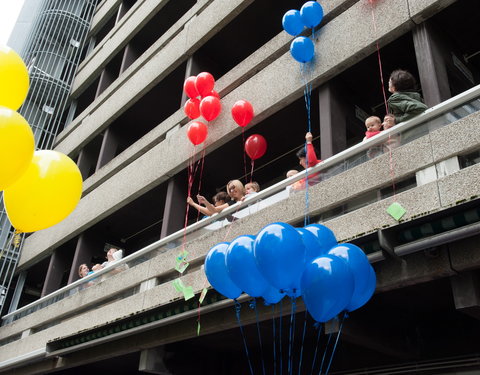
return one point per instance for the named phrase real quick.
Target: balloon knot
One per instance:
(17, 238)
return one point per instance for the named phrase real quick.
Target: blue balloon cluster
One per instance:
(294, 21)
(283, 260)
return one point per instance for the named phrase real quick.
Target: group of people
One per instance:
(404, 103)
(113, 254)
(236, 192)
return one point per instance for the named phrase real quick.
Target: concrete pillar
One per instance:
(333, 121)
(175, 205)
(85, 162)
(108, 149)
(59, 262)
(193, 68)
(151, 361)
(22, 276)
(466, 293)
(433, 77)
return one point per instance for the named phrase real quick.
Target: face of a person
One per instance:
(388, 122)
(234, 191)
(391, 88)
(302, 162)
(249, 189)
(218, 203)
(83, 270)
(373, 125)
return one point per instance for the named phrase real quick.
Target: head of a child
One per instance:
(388, 121)
(373, 124)
(252, 187)
(302, 157)
(110, 252)
(291, 172)
(83, 270)
(401, 80)
(220, 198)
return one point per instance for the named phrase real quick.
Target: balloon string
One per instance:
(291, 336)
(280, 341)
(251, 170)
(325, 353)
(319, 327)
(253, 305)
(303, 341)
(189, 189)
(307, 94)
(380, 66)
(274, 343)
(244, 156)
(201, 176)
(336, 342)
(238, 307)
(379, 59)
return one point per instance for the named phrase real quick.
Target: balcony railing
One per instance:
(434, 118)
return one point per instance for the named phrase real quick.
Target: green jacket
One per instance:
(405, 105)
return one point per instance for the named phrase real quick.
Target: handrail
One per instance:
(429, 114)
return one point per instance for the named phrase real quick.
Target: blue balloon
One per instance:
(311, 13)
(325, 236)
(242, 268)
(358, 263)
(327, 286)
(292, 22)
(280, 256)
(272, 295)
(302, 49)
(216, 271)
(313, 246)
(360, 299)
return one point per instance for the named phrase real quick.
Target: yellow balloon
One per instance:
(13, 79)
(45, 194)
(16, 146)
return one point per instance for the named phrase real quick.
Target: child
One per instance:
(218, 200)
(252, 188)
(291, 172)
(404, 103)
(388, 121)
(373, 125)
(394, 140)
(307, 159)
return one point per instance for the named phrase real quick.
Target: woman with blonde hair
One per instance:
(236, 192)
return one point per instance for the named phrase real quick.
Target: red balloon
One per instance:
(192, 108)
(197, 132)
(255, 146)
(210, 108)
(204, 83)
(189, 87)
(242, 112)
(213, 93)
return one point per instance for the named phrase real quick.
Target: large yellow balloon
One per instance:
(16, 146)
(13, 79)
(45, 194)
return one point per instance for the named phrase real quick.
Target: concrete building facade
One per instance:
(126, 129)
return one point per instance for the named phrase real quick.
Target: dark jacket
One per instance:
(405, 105)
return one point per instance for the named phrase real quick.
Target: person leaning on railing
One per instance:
(307, 158)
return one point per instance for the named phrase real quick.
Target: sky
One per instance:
(9, 10)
